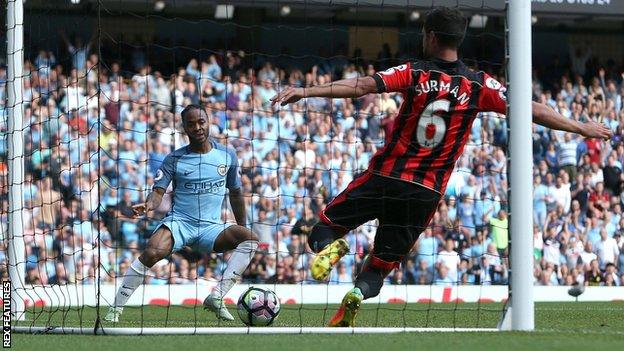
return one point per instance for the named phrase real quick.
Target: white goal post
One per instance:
(519, 68)
(15, 141)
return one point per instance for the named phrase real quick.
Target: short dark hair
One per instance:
(448, 25)
(190, 108)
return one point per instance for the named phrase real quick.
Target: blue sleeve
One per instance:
(233, 180)
(165, 173)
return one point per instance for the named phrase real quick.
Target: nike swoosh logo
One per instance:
(188, 172)
(125, 287)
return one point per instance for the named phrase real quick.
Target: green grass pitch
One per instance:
(559, 326)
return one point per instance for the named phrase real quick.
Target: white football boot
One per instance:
(113, 314)
(216, 305)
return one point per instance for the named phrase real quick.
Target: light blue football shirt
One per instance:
(199, 181)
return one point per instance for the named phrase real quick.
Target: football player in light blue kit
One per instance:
(199, 174)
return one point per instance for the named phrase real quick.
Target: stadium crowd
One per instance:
(97, 133)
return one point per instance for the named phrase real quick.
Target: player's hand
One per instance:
(288, 96)
(139, 210)
(597, 130)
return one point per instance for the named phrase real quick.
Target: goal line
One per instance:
(239, 330)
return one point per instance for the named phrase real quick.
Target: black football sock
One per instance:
(374, 271)
(369, 283)
(321, 236)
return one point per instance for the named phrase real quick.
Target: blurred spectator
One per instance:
(500, 232)
(448, 259)
(607, 249)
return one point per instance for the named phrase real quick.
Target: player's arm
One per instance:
(163, 177)
(393, 79)
(237, 201)
(151, 203)
(234, 185)
(550, 118)
(493, 98)
(345, 88)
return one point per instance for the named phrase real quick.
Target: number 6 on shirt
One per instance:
(431, 127)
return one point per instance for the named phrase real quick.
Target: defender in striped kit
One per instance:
(407, 177)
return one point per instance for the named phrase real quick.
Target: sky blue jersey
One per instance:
(199, 181)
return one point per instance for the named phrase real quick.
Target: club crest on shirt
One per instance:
(496, 85)
(493, 83)
(159, 175)
(222, 170)
(391, 70)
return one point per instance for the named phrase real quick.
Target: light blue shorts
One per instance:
(199, 236)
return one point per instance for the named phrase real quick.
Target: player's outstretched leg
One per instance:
(367, 284)
(329, 251)
(244, 244)
(354, 206)
(158, 247)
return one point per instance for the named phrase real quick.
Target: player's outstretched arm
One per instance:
(237, 200)
(550, 118)
(153, 201)
(346, 88)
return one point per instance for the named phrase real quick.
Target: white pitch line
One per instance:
(239, 330)
(581, 309)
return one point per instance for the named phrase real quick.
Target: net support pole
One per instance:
(15, 72)
(521, 165)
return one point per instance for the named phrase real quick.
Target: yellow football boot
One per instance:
(345, 317)
(327, 258)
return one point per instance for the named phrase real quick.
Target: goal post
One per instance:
(521, 165)
(15, 155)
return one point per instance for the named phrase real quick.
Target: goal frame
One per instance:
(518, 14)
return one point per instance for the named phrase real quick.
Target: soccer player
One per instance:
(200, 173)
(407, 177)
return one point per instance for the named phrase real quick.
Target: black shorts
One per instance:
(403, 209)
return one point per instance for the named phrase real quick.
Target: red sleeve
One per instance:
(493, 96)
(394, 79)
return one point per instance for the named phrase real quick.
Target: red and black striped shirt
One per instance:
(441, 100)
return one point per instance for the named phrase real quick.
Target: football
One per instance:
(258, 307)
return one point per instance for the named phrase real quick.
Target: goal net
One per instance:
(104, 83)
